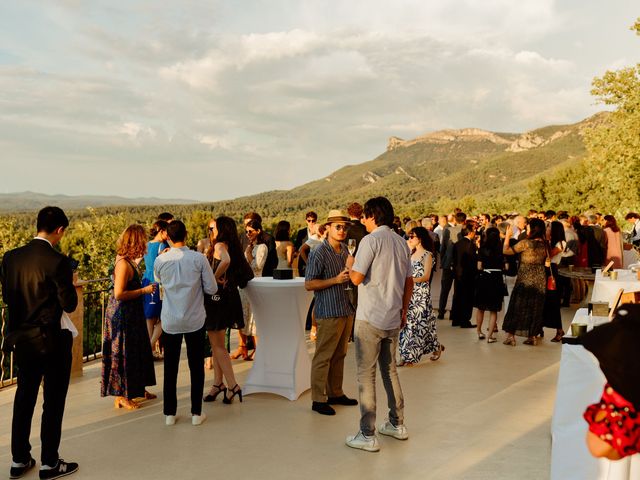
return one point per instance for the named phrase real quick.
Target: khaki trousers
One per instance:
(327, 366)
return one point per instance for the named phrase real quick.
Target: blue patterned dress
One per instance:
(419, 336)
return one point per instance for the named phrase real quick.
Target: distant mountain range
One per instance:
(414, 174)
(29, 201)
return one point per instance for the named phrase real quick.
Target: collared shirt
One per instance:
(635, 232)
(325, 263)
(184, 275)
(385, 261)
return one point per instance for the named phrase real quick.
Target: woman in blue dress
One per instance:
(419, 336)
(152, 303)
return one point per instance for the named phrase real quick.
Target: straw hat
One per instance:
(337, 216)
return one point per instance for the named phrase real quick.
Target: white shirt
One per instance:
(185, 276)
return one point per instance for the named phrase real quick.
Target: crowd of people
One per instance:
(371, 275)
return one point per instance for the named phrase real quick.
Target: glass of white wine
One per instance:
(351, 246)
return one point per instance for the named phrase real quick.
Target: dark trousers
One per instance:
(445, 288)
(462, 303)
(195, 356)
(54, 369)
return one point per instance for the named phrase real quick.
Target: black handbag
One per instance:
(30, 342)
(245, 273)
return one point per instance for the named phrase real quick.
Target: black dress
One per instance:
(490, 283)
(224, 309)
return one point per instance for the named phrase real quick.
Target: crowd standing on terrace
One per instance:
(371, 274)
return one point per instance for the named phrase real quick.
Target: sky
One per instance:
(212, 100)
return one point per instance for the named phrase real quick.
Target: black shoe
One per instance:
(440, 317)
(342, 400)
(19, 472)
(62, 469)
(322, 408)
(467, 325)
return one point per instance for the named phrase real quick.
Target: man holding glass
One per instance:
(327, 276)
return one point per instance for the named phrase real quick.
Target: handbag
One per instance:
(551, 282)
(245, 274)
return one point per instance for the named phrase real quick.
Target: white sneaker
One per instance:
(400, 432)
(363, 442)
(198, 419)
(169, 419)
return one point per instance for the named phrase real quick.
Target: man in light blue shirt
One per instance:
(382, 271)
(186, 277)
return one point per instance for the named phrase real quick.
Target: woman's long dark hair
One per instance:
(537, 229)
(425, 239)
(227, 234)
(282, 231)
(557, 234)
(610, 222)
(491, 245)
(257, 225)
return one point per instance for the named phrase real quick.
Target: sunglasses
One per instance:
(248, 231)
(311, 220)
(340, 227)
(412, 235)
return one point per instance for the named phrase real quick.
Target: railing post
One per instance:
(77, 317)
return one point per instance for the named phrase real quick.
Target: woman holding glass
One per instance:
(127, 362)
(224, 310)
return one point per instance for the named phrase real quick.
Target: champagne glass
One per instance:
(351, 246)
(152, 301)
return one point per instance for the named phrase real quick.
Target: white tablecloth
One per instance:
(580, 383)
(605, 289)
(281, 364)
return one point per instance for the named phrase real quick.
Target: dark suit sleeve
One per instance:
(445, 240)
(63, 278)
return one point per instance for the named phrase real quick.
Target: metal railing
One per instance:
(95, 297)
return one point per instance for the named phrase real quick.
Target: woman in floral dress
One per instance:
(419, 336)
(127, 361)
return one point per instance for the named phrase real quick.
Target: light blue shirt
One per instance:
(185, 276)
(384, 259)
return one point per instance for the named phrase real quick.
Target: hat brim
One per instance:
(337, 220)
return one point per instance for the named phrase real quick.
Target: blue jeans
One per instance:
(375, 345)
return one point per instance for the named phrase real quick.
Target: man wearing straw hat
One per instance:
(327, 275)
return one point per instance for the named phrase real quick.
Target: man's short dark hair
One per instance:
(311, 214)
(254, 216)
(166, 216)
(631, 215)
(177, 231)
(461, 217)
(50, 219)
(381, 210)
(549, 214)
(469, 226)
(563, 216)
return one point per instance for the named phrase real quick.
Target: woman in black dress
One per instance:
(524, 314)
(557, 244)
(490, 283)
(224, 310)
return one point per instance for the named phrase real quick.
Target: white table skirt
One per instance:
(605, 289)
(281, 364)
(580, 383)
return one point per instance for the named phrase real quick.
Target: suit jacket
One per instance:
(465, 259)
(450, 235)
(357, 231)
(37, 285)
(301, 237)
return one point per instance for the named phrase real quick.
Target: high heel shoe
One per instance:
(122, 402)
(234, 391)
(558, 337)
(240, 352)
(510, 341)
(149, 395)
(530, 341)
(438, 354)
(214, 392)
(492, 340)
(481, 336)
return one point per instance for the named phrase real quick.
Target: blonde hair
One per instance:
(132, 243)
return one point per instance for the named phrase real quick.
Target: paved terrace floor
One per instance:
(481, 412)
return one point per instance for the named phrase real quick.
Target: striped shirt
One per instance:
(325, 263)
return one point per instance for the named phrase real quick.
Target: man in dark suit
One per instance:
(37, 286)
(465, 267)
(450, 236)
(302, 236)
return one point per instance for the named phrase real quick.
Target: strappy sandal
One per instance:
(436, 355)
(122, 402)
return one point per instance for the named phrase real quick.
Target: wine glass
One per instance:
(351, 246)
(152, 301)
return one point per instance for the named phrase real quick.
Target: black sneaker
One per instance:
(342, 400)
(19, 472)
(62, 469)
(322, 408)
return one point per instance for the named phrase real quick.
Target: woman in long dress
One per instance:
(614, 241)
(525, 312)
(224, 310)
(127, 362)
(256, 254)
(419, 335)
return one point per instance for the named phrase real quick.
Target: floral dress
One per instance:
(419, 336)
(127, 361)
